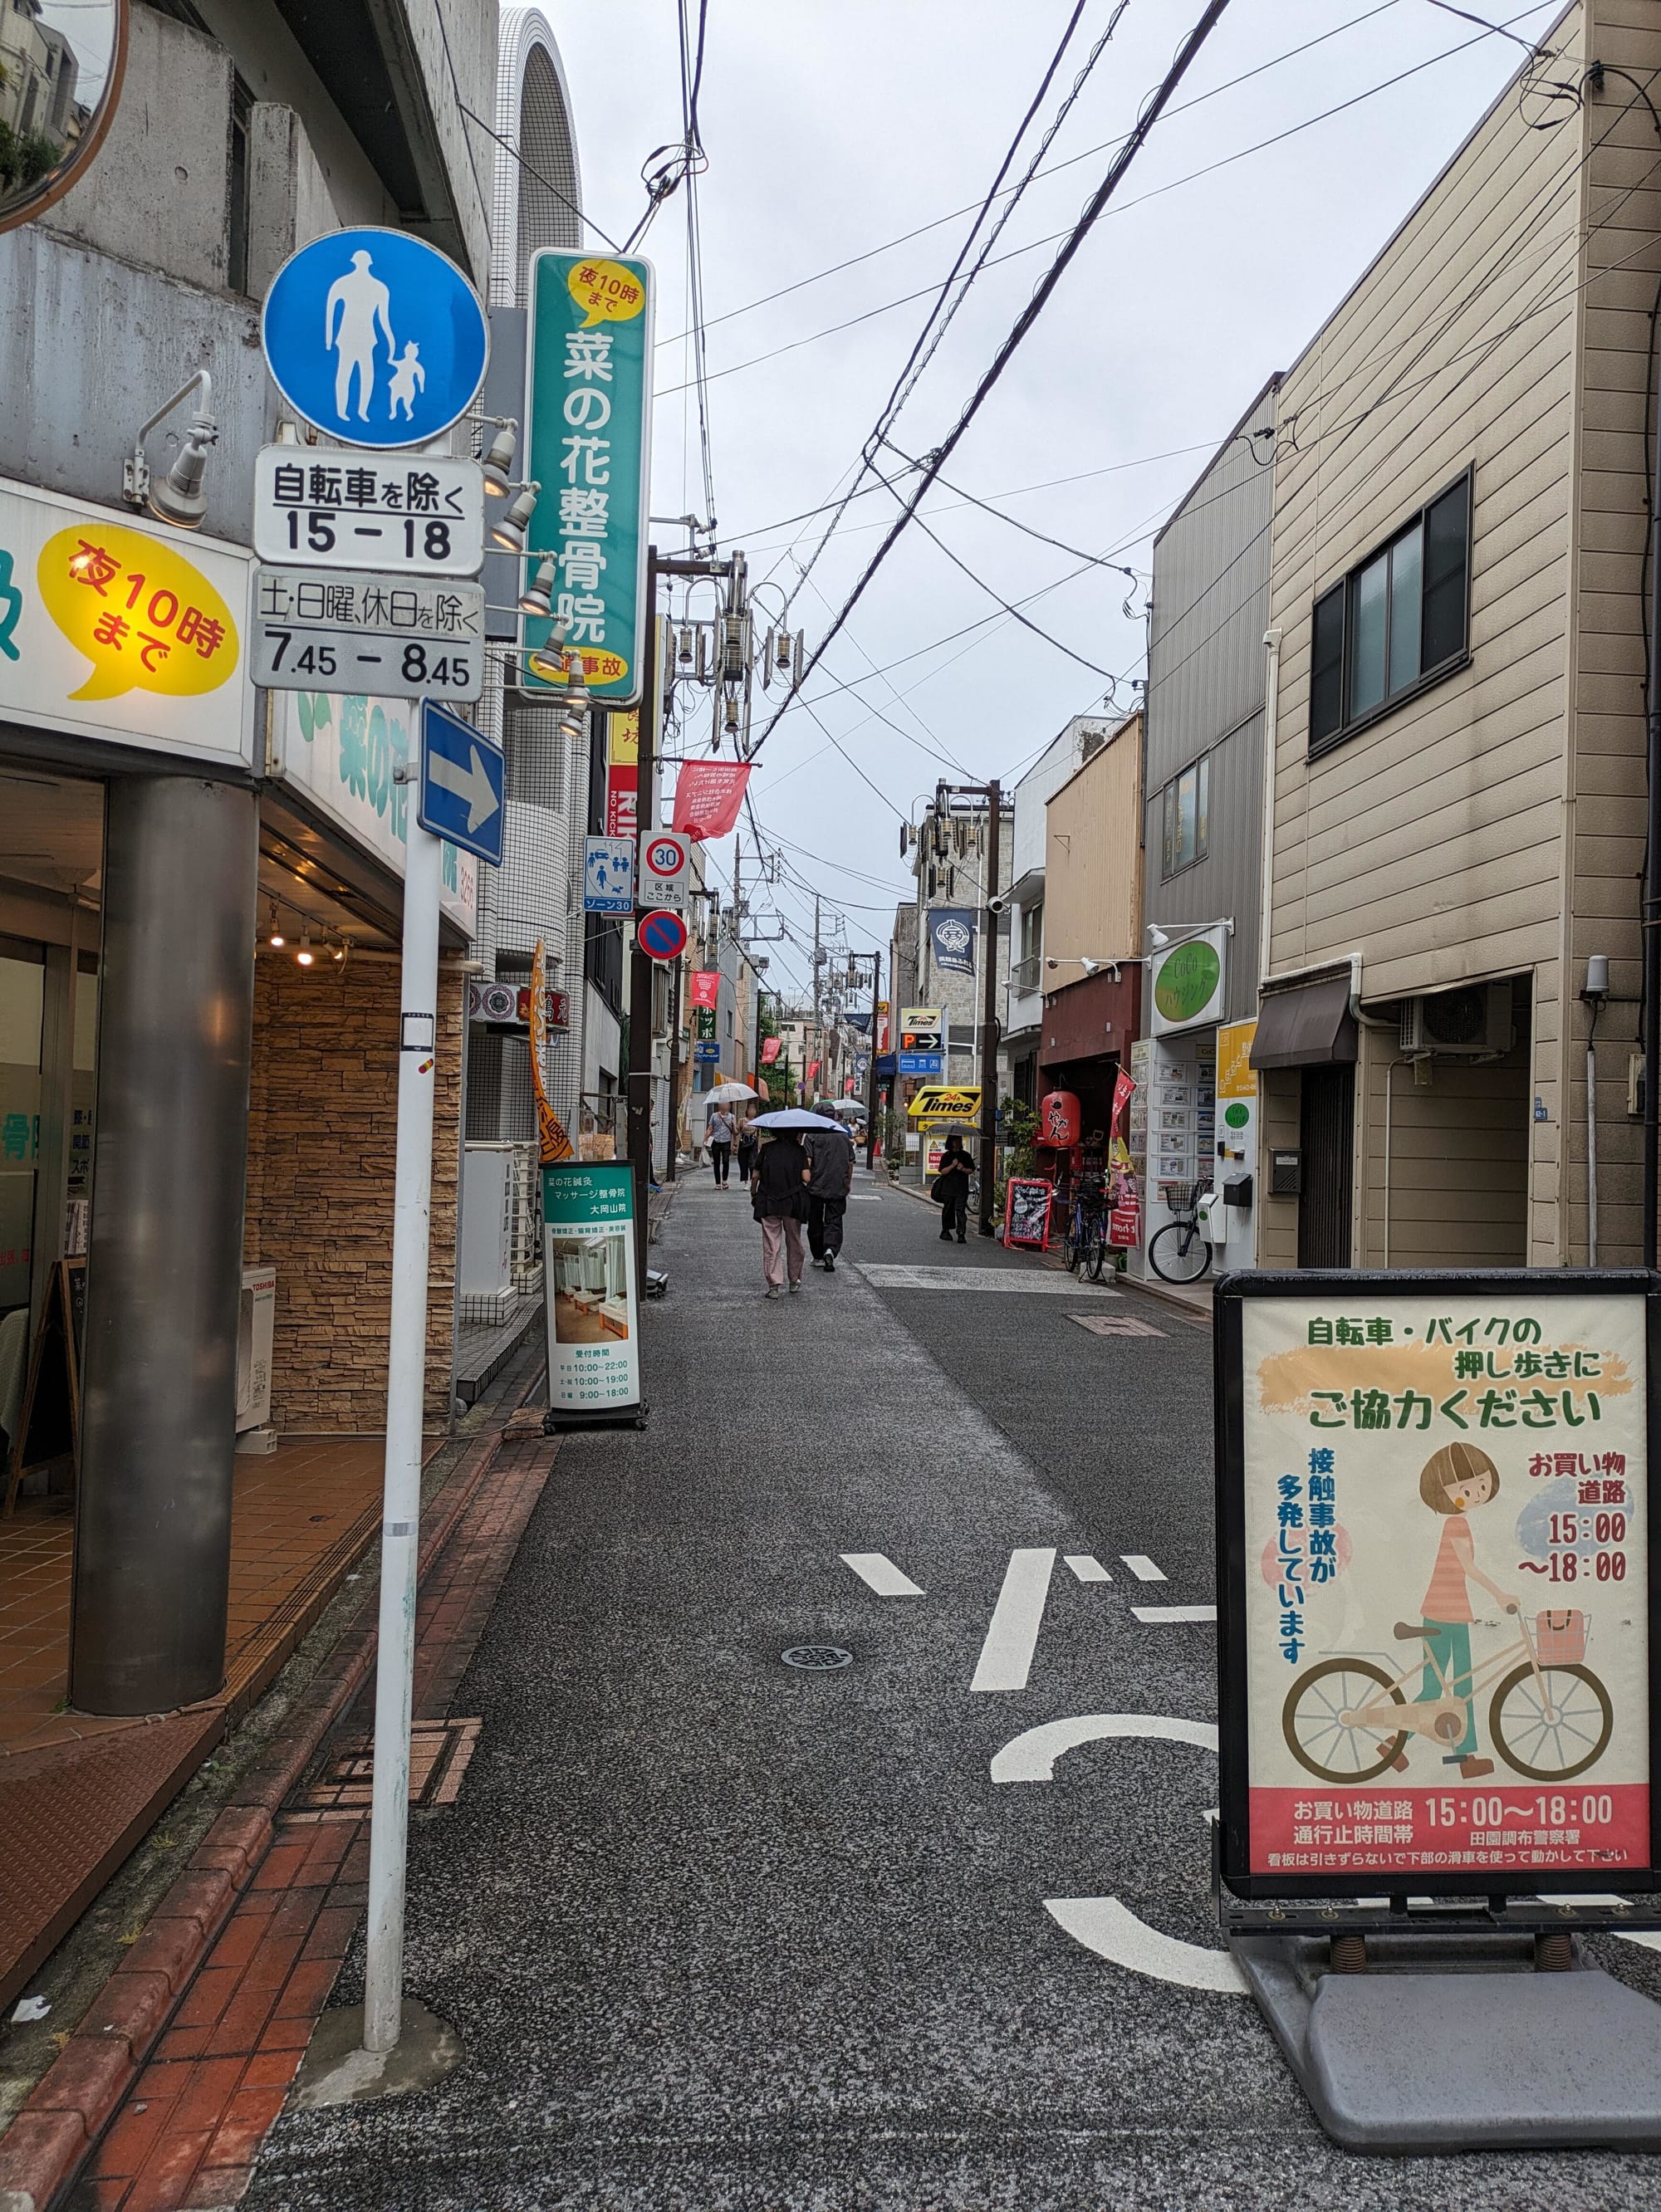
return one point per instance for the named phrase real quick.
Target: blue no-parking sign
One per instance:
(464, 781)
(375, 336)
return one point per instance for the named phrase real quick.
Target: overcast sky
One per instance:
(835, 126)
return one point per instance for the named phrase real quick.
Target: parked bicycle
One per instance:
(1085, 1243)
(1178, 1253)
(1346, 1720)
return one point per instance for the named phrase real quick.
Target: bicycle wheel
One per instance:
(1096, 1256)
(1317, 1735)
(1070, 1242)
(1550, 1738)
(1178, 1254)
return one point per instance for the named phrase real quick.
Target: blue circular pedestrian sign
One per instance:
(375, 336)
(662, 934)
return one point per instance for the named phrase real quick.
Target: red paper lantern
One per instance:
(1059, 1120)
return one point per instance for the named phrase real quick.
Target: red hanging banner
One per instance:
(708, 796)
(770, 1051)
(1123, 1089)
(706, 987)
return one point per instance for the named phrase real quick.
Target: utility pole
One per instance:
(989, 1010)
(672, 1146)
(819, 1033)
(640, 963)
(870, 1068)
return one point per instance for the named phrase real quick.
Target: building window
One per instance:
(1187, 799)
(1397, 622)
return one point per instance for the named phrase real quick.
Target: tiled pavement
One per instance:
(297, 1514)
(188, 2130)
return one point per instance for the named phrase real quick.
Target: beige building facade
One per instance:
(1456, 699)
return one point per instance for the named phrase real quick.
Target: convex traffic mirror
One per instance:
(61, 63)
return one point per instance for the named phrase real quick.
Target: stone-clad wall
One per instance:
(322, 1125)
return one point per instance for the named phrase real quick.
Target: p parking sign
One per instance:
(1434, 1583)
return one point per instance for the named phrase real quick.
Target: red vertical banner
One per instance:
(1123, 1087)
(770, 1051)
(706, 987)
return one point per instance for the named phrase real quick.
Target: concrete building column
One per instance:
(152, 1551)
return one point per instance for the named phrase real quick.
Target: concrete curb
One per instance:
(57, 2128)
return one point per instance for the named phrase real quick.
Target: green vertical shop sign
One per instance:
(592, 1297)
(589, 449)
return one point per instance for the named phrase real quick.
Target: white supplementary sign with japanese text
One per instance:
(364, 629)
(318, 507)
(1446, 1501)
(110, 628)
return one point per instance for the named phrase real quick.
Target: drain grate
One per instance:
(439, 1753)
(818, 1658)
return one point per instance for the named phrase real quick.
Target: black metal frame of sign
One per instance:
(1239, 1887)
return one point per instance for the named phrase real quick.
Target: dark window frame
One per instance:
(1338, 598)
(1170, 816)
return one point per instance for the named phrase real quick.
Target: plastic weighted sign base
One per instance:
(559, 1419)
(1453, 2043)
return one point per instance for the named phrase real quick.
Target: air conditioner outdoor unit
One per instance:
(1474, 1019)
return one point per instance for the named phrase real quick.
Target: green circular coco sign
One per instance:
(1237, 1116)
(1186, 980)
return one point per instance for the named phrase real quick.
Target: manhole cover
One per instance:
(820, 1657)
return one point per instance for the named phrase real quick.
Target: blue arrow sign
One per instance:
(464, 779)
(375, 336)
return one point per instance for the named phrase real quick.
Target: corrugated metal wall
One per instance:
(1205, 692)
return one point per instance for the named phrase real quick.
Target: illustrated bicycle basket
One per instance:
(1559, 1638)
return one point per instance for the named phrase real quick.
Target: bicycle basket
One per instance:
(1559, 1638)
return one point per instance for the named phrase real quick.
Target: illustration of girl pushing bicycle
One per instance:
(1550, 1716)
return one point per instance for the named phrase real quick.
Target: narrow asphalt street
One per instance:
(717, 1931)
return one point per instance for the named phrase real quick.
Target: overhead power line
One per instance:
(936, 461)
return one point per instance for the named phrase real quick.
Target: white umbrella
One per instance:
(795, 1117)
(724, 1093)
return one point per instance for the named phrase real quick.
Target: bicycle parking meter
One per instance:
(1438, 1695)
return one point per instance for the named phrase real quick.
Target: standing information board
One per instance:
(1026, 1211)
(1434, 1583)
(593, 1297)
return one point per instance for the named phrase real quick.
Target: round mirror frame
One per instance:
(49, 189)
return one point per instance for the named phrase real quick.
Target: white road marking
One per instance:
(1115, 1325)
(1142, 1567)
(1112, 1931)
(1155, 1614)
(1011, 1636)
(1031, 1756)
(877, 1569)
(920, 1276)
(864, 1198)
(1087, 1569)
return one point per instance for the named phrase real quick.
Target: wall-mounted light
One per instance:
(1160, 940)
(538, 597)
(305, 955)
(509, 532)
(497, 460)
(179, 497)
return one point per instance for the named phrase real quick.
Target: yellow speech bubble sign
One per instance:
(145, 617)
(606, 292)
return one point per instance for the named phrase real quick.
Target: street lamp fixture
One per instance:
(179, 498)
(497, 460)
(538, 597)
(509, 532)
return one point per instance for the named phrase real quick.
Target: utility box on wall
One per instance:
(256, 1322)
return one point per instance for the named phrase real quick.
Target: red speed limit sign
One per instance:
(666, 864)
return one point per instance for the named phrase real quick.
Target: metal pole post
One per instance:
(871, 1071)
(1651, 933)
(671, 1147)
(989, 1010)
(640, 963)
(407, 1375)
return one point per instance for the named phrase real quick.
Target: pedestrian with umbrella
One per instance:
(778, 1192)
(831, 1156)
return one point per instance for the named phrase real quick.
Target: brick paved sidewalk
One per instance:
(233, 2031)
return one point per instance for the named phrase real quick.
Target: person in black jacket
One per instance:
(951, 1185)
(830, 1157)
(778, 1199)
